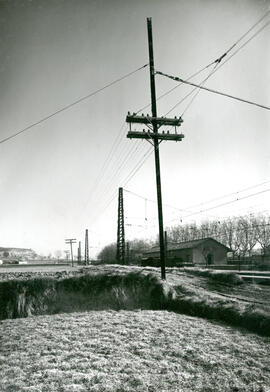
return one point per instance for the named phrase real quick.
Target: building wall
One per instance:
(212, 252)
(208, 252)
(180, 255)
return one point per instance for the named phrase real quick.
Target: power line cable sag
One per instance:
(71, 105)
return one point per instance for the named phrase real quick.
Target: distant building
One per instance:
(201, 252)
(17, 253)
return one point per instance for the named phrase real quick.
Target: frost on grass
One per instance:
(130, 351)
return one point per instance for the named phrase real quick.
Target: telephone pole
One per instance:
(86, 251)
(71, 241)
(120, 251)
(79, 253)
(155, 137)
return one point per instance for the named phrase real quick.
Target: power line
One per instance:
(243, 45)
(190, 93)
(139, 165)
(226, 203)
(217, 61)
(229, 194)
(125, 181)
(175, 87)
(71, 105)
(212, 90)
(205, 202)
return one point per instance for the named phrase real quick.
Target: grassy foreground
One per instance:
(218, 296)
(130, 351)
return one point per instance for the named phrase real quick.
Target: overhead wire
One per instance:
(243, 45)
(126, 180)
(123, 161)
(187, 209)
(201, 87)
(175, 87)
(226, 203)
(102, 171)
(216, 62)
(114, 181)
(219, 64)
(189, 93)
(110, 182)
(71, 105)
(219, 59)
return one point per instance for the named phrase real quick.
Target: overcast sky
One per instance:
(56, 179)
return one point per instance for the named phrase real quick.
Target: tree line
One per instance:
(241, 234)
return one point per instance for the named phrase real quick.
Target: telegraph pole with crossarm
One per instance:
(71, 241)
(155, 138)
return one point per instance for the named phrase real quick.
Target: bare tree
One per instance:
(262, 232)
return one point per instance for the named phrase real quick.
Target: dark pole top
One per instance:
(152, 69)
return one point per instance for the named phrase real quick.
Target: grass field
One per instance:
(130, 351)
(137, 349)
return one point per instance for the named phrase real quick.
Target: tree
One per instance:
(136, 249)
(262, 232)
(108, 254)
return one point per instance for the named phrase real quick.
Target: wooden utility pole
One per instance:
(79, 253)
(86, 249)
(166, 246)
(128, 254)
(71, 241)
(155, 137)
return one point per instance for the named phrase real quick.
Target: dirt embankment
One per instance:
(121, 289)
(47, 295)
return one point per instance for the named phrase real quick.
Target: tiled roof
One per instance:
(186, 245)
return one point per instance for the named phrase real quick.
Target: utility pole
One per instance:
(128, 254)
(79, 253)
(71, 241)
(166, 246)
(155, 137)
(120, 250)
(86, 252)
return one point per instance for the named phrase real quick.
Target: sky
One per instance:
(62, 176)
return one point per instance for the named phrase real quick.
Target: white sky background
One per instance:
(54, 52)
